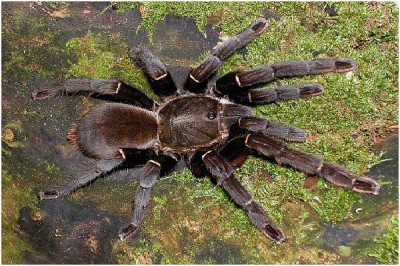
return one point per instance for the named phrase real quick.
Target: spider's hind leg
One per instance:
(124, 158)
(310, 164)
(222, 172)
(83, 178)
(112, 90)
(147, 179)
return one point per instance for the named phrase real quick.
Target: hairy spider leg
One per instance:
(198, 77)
(251, 97)
(147, 179)
(268, 128)
(238, 85)
(123, 159)
(235, 151)
(157, 74)
(222, 172)
(310, 164)
(84, 178)
(111, 90)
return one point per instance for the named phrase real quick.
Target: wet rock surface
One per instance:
(66, 233)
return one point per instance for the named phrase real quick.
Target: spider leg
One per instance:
(248, 96)
(268, 128)
(197, 79)
(112, 90)
(160, 79)
(82, 179)
(123, 158)
(310, 164)
(222, 172)
(236, 81)
(147, 179)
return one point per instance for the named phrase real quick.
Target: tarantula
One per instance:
(209, 125)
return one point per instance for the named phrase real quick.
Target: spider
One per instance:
(209, 125)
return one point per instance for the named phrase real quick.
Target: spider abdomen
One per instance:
(112, 126)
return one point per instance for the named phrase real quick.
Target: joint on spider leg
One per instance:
(217, 167)
(259, 218)
(254, 76)
(122, 153)
(155, 163)
(341, 177)
(118, 88)
(268, 128)
(320, 66)
(344, 65)
(128, 231)
(205, 154)
(197, 79)
(48, 194)
(366, 185)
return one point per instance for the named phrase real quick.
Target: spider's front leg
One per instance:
(147, 179)
(237, 86)
(197, 79)
(106, 89)
(157, 74)
(222, 172)
(310, 164)
(265, 127)
(276, 94)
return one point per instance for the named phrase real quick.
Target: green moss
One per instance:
(14, 196)
(387, 247)
(334, 205)
(152, 12)
(95, 58)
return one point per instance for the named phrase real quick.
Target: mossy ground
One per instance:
(190, 220)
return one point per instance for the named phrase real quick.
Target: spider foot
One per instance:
(48, 194)
(344, 65)
(128, 231)
(258, 217)
(45, 92)
(343, 178)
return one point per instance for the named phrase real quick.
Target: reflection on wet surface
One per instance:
(367, 224)
(67, 233)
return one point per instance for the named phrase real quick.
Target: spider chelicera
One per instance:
(209, 125)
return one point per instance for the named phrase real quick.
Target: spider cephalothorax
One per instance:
(209, 125)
